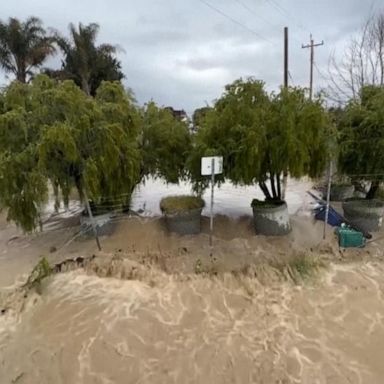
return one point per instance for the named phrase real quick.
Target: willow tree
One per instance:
(361, 138)
(263, 135)
(70, 139)
(23, 186)
(165, 144)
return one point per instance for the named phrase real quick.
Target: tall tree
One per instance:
(85, 62)
(165, 143)
(24, 46)
(362, 62)
(53, 132)
(261, 136)
(361, 138)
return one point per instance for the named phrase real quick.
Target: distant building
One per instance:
(178, 114)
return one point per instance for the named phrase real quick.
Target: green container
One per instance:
(350, 238)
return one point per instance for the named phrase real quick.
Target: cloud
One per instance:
(182, 53)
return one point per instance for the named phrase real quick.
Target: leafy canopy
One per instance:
(261, 135)
(166, 143)
(86, 63)
(54, 132)
(24, 46)
(361, 136)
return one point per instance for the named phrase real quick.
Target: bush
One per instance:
(183, 203)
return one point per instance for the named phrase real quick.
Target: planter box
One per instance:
(184, 223)
(341, 192)
(271, 219)
(365, 214)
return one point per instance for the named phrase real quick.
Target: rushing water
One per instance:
(159, 328)
(142, 325)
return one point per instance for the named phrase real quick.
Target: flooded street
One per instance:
(142, 312)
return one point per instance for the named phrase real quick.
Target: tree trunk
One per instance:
(373, 189)
(264, 188)
(273, 186)
(278, 182)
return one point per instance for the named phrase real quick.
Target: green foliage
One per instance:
(84, 62)
(361, 137)
(198, 116)
(23, 46)
(261, 135)
(175, 204)
(54, 131)
(166, 143)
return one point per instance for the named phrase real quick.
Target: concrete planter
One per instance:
(365, 214)
(342, 192)
(271, 218)
(182, 214)
(184, 223)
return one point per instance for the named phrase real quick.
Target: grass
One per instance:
(182, 203)
(299, 266)
(40, 271)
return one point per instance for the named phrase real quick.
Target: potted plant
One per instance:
(166, 144)
(361, 155)
(261, 136)
(182, 213)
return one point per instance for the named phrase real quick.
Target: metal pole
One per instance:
(92, 219)
(211, 218)
(328, 198)
(286, 72)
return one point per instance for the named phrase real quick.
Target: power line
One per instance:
(285, 13)
(236, 21)
(290, 76)
(254, 13)
(319, 71)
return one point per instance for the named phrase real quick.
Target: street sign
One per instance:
(206, 165)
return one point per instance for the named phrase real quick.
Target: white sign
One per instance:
(206, 165)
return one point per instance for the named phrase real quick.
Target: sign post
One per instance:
(211, 166)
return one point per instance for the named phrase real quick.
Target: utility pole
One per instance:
(311, 45)
(286, 57)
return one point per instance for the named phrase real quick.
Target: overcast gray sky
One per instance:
(183, 52)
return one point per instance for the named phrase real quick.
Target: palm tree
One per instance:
(84, 62)
(23, 46)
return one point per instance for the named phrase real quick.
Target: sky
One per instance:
(182, 53)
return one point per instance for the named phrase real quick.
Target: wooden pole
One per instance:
(285, 57)
(311, 45)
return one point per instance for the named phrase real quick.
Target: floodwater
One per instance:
(157, 328)
(120, 320)
(229, 200)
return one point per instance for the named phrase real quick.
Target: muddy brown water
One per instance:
(161, 328)
(166, 324)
